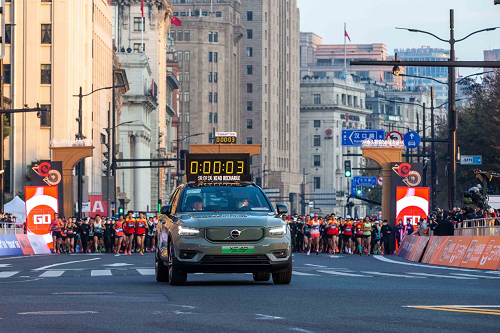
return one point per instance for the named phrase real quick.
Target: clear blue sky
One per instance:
(372, 21)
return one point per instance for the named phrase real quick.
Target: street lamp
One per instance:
(177, 153)
(80, 137)
(452, 112)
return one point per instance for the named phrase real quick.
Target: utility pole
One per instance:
(433, 156)
(452, 121)
(108, 166)
(2, 188)
(80, 164)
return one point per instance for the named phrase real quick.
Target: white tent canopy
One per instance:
(17, 208)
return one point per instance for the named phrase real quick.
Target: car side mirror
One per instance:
(282, 209)
(165, 210)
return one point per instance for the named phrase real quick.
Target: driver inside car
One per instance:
(194, 203)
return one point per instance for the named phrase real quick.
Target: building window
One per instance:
(186, 56)
(187, 36)
(210, 138)
(210, 36)
(216, 118)
(317, 160)
(46, 33)
(137, 48)
(317, 140)
(249, 70)
(45, 117)
(249, 34)
(249, 123)
(210, 56)
(215, 77)
(249, 106)
(317, 183)
(249, 16)
(215, 56)
(249, 88)
(6, 73)
(317, 99)
(186, 97)
(103, 138)
(249, 141)
(209, 97)
(180, 36)
(215, 98)
(179, 56)
(209, 76)
(210, 117)
(218, 14)
(8, 33)
(45, 74)
(138, 25)
(42, 1)
(186, 76)
(216, 37)
(249, 52)
(317, 123)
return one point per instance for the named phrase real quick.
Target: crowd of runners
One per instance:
(132, 233)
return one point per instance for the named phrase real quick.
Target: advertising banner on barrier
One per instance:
(418, 249)
(456, 251)
(490, 259)
(24, 242)
(41, 205)
(431, 248)
(474, 251)
(442, 247)
(9, 246)
(407, 246)
(39, 244)
(13, 245)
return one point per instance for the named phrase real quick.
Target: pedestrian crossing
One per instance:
(300, 273)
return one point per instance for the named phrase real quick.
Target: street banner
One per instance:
(412, 203)
(97, 206)
(456, 251)
(41, 205)
(13, 245)
(444, 244)
(407, 246)
(474, 251)
(49, 173)
(490, 259)
(9, 246)
(24, 242)
(39, 244)
(418, 249)
(431, 248)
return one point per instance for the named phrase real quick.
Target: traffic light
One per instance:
(105, 161)
(359, 191)
(159, 205)
(182, 165)
(120, 211)
(347, 168)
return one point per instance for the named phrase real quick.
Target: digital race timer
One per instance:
(218, 167)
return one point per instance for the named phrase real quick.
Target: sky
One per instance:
(374, 21)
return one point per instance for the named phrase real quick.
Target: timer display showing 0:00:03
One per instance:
(217, 167)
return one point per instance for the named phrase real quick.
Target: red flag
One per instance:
(175, 21)
(381, 81)
(347, 35)
(142, 8)
(153, 88)
(458, 75)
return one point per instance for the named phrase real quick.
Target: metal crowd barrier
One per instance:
(479, 227)
(7, 228)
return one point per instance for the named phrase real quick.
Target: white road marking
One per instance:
(118, 264)
(266, 317)
(382, 258)
(52, 274)
(100, 272)
(5, 265)
(395, 275)
(7, 274)
(85, 293)
(343, 274)
(477, 276)
(303, 274)
(148, 271)
(493, 272)
(454, 306)
(315, 265)
(296, 329)
(333, 257)
(64, 263)
(444, 276)
(57, 312)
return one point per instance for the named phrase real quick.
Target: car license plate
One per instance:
(237, 249)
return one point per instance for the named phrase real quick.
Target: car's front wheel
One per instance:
(175, 277)
(161, 271)
(283, 276)
(261, 276)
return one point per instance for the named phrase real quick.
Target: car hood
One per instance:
(229, 219)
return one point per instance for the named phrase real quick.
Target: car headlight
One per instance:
(278, 231)
(185, 231)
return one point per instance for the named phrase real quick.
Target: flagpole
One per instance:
(211, 6)
(142, 30)
(345, 52)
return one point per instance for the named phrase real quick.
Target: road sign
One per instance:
(364, 181)
(311, 204)
(355, 137)
(380, 181)
(411, 139)
(394, 135)
(85, 207)
(272, 192)
(471, 159)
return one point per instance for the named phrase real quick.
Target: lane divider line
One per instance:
(64, 263)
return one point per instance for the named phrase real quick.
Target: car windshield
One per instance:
(224, 198)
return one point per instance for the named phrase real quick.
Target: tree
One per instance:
(477, 134)
(6, 127)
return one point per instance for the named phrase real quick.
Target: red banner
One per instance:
(98, 206)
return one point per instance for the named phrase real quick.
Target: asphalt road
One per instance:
(349, 293)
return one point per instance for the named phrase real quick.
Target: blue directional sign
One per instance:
(355, 137)
(364, 181)
(471, 159)
(411, 139)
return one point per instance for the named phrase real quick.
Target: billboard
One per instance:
(41, 205)
(407, 175)
(412, 203)
(97, 206)
(49, 173)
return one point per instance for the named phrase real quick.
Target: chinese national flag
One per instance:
(381, 81)
(347, 35)
(142, 8)
(175, 21)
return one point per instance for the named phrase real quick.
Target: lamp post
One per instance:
(79, 136)
(178, 141)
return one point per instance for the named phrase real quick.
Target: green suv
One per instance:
(222, 228)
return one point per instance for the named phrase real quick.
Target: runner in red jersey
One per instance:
(332, 233)
(129, 232)
(359, 231)
(55, 226)
(347, 235)
(140, 229)
(119, 226)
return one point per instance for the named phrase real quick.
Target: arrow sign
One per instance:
(364, 181)
(471, 159)
(354, 138)
(411, 139)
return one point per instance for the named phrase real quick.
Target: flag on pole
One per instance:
(381, 81)
(458, 75)
(153, 88)
(347, 35)
(175, 21)
(142, 8)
